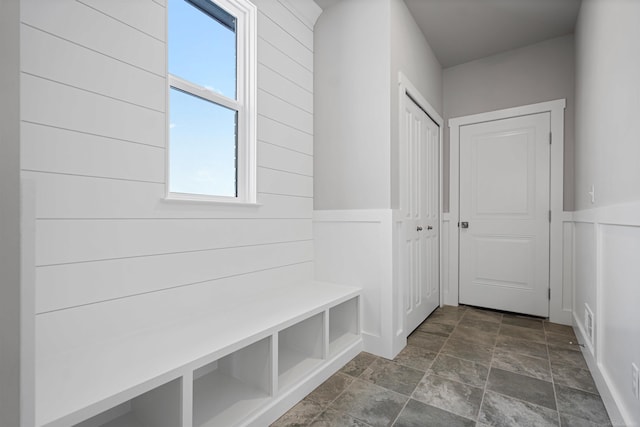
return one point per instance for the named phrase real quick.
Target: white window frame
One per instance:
(245, 104)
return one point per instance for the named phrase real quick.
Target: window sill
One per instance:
(206, 200)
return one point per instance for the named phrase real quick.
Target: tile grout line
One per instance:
(324, 409)
(522, 400)
(410, 396)
(548, 359)
(340, 394)
(430, 365)
(553, 382)
(403, 407)
(486, 383)
(428, 371)
(494, 349)
(448, 355)
(443, 345)
(488, 371)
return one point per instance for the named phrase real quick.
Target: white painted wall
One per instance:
(620, 340)
(355, 247)
(352, 106)
(606, 154)
(411, 55)
(536, 73)
(361, 47)
(584, 253)
(10, 214)
(608, 102)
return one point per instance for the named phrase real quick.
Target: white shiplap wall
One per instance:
(94, 140)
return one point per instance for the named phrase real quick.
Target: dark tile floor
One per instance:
(463, 367)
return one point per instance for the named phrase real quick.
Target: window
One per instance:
(212, 86)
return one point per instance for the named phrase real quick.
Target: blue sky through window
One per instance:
(203, 146)
(201, 50)
(203, 135)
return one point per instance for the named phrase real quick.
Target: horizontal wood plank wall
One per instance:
(94, 144)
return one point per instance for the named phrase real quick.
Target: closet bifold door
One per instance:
(159, 407)
(230, 389)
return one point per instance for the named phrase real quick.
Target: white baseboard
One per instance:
(607, 393)
(288, 399)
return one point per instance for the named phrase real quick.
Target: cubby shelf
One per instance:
(344, 325)
(300, 350)
(238, 367)
(293, 365)
(159, 407)
(229, 389)
(342, 342)
(222, 400)
(127, 420)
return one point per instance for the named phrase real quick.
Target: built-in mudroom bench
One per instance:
(245, 361)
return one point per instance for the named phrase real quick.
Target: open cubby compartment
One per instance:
(300, 350)
(229, 389)
(159, 407)
(344, 327)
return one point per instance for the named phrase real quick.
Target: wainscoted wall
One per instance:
(561, 302)
(112, 256)
(359, 248)
(585, 276)
(607, 233)
(607, 277)
(445, 231)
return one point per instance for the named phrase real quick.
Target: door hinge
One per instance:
(550, 138)
(549, 294)
(549, 216)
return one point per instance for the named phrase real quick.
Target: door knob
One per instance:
(419, 228)
(464, 225)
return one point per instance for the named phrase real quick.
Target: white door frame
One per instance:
(556, 110)
(405, 87)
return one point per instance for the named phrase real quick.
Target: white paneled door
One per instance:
(421, 206)
(504, 214)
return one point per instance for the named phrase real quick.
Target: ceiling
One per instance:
(460, 31)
